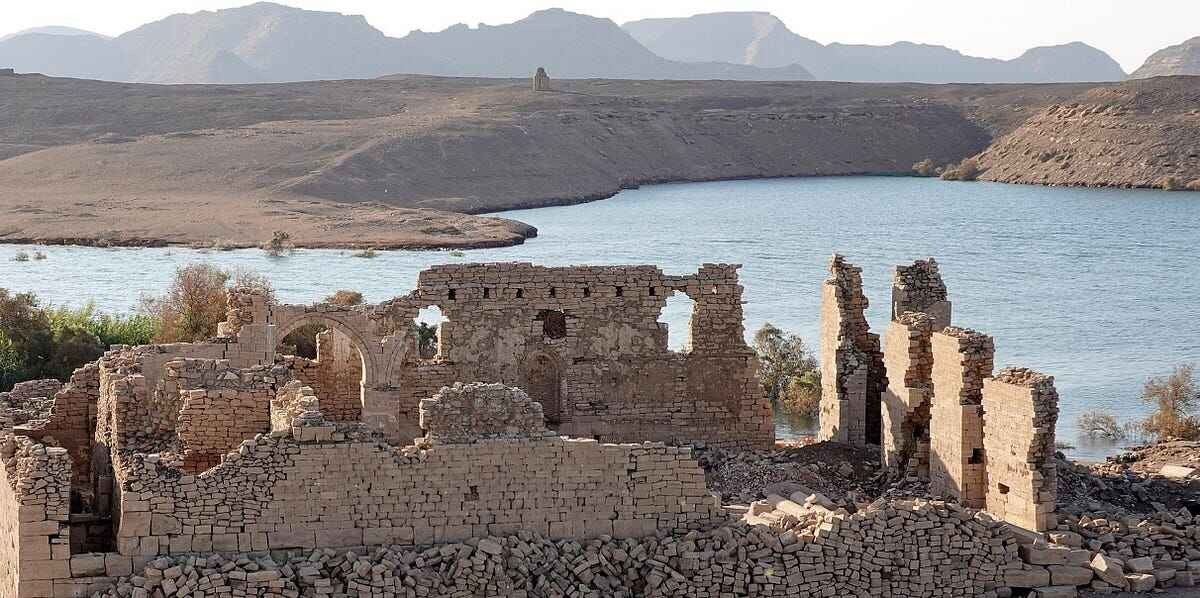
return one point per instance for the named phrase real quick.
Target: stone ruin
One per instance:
(574, 423)
(984, 439)
(541, 81)
(7, 72)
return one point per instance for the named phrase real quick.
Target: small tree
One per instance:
(788, 371)
(1175, 399)
(27, 339)
(195, 301)
(280, 244)
(1097, 424)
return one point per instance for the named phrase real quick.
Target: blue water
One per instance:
(1100, 288)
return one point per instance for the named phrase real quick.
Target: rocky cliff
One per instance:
(1143, 133)
(1181, 59)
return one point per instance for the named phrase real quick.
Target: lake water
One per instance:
(1099, 287)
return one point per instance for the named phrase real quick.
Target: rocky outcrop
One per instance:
(1137, 134)
(1180, 59)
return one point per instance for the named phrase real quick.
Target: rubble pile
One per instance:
(822, 554)
(834, 469)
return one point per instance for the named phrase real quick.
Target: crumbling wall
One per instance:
(27, 401)
(1020, 410)
(852, 367)
(904, 549)
(919, 288)
(279, 493)
(335, 375)
(35, 498)
(71, 424)
(908, 356)
(220, 406)
(468, 413)
(962, 359)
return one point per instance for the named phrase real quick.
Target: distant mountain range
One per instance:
(268, 42)
(761, 39)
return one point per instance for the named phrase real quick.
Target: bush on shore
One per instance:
(967, 170)
(788, 371)
(280, 244)
(1100, 425)
(926, 167)
(1175, 399)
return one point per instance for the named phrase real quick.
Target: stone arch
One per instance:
(370, 371)
(542, 374)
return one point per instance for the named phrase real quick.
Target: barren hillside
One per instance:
(1142, 133)
(347, 162)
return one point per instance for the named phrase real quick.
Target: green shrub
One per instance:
(789, 373)
(365, 253)
(20, 256)
(427, 339)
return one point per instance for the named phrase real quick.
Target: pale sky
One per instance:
(1128, 31)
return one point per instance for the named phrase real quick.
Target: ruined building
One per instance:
(229, 446)
(541, 81)
(985, 439)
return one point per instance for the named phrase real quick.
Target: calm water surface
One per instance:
(1100, 288)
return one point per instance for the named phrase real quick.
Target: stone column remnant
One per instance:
(541, 81)
(919, 288)
(1020, 410)
(852, 371)
(962, 359)
(908, 356)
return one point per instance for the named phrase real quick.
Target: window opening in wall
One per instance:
(554, 323)
(676, 319)
(1002, 488)
(452, 294)
(587, 292)
(487, 293)
(520, 293)
(553, 292)
(620, 291)
(653, 291)
(976, 457)
(427, 326)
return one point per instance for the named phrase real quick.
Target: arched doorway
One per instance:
(543, 382)
(336, 369)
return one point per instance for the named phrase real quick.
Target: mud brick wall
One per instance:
(908, 356)
(919, 288)
(852, 366)
(962, 359)
(1020, 410)
(278, 493)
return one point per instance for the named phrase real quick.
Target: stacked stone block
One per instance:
(962, 359)
(35, 498)
(1020, 411)
(919, 288)
(908, 356)
(852, 367)
(467, 413)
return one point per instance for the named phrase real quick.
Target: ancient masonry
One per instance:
(541, 81)
(228, 446)
(986, 440)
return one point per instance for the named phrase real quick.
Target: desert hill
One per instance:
(385, 162)
(761, 39)
(1140, 133)
(267, 42)
(1180, 59)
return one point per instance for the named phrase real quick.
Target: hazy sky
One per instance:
(1129, 31)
